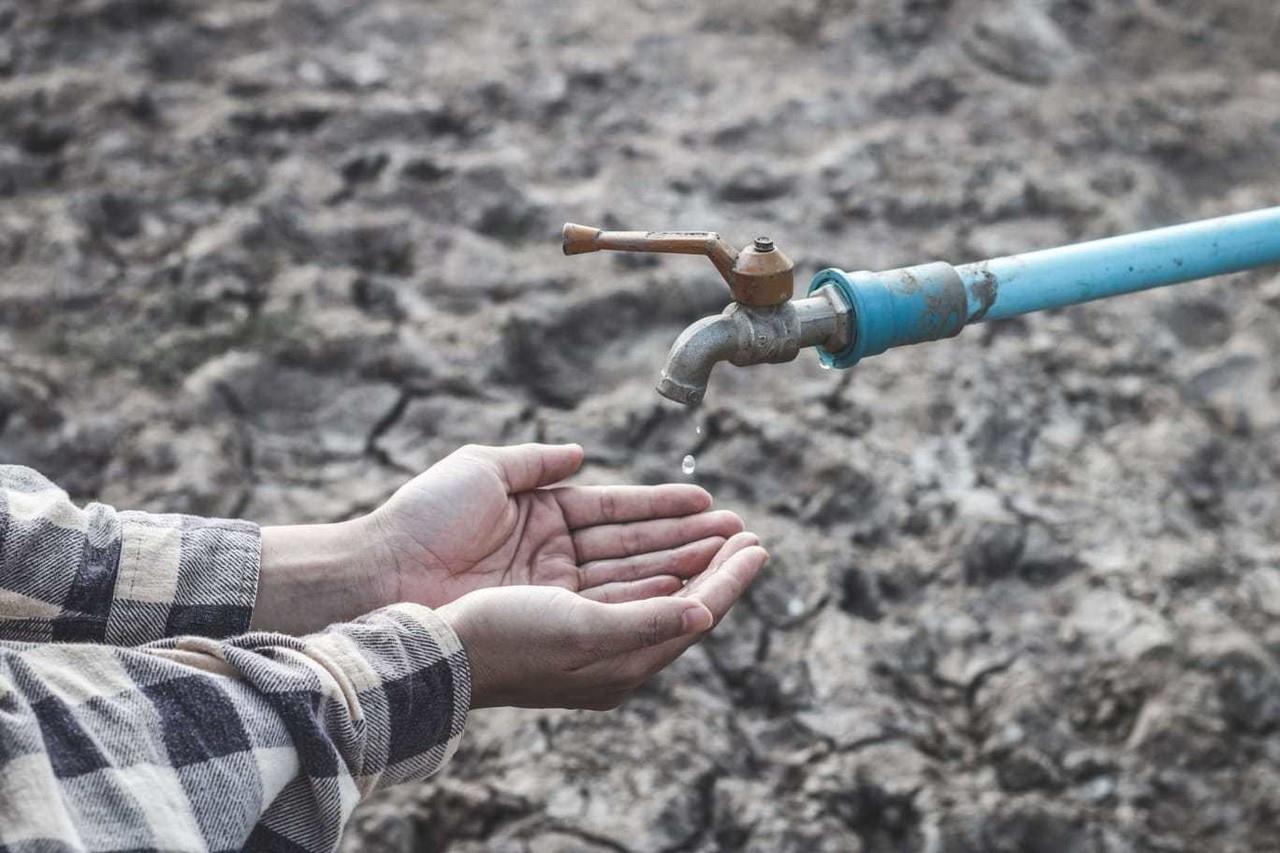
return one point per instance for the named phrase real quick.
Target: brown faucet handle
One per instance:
(753, 278)
(579, 239)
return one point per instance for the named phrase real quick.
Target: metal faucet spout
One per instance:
(745, 335)
(688, 368)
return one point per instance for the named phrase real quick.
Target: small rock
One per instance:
(755, 183)
(1098, 790)
(1021, 44)
(1044, 559)
(425, 169)
(1198, 323)
(1249, 689)
(1261, 588)
(1113, 622)
(1237, 389)
(1146, 641)
(1082, 765)
(111, 214)
(364, 70)
(43, 138)
(790, 592)
(1035, 826)
(736, 643)
(1181, 727)
(497, 207)
(364, 167)
(376, 297)
(1026, 769)
(994, 552)
(859, 593)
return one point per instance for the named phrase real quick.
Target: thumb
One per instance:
(528, 466)
(633, 625)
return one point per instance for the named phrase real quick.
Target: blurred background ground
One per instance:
(268, 257)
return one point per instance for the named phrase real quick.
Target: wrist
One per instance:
(313, 575)
(456, 615)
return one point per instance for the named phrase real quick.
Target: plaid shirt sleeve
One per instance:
(101, 576)
(262, 742)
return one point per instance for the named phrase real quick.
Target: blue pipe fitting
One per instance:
(934, 301)
(895, 308)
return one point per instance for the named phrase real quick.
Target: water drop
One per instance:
(825, 365)
(795, 607)
(698, 429)
(688, 464)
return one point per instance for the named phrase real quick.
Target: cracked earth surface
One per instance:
(268, 257)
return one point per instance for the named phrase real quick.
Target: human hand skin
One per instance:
(485, 517)
(545, 647)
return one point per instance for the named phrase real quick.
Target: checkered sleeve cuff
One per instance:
(412, 679)
(183, 575)
(95, 575)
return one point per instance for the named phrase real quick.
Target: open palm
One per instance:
(494, 516)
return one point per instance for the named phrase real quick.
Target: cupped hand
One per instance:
(494, 516)
(546, 647)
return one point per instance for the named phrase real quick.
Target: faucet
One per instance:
(849, 316)
(762, 325)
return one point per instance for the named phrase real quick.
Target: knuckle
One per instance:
(608, 506)
(471, 454)
(651, 631)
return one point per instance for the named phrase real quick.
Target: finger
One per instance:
(606, 541)
(727, 586)
(528, 466)
(685, 561)
(620, 591)
(585, 506)
(727, 583)
(615, 629)
(736, 543)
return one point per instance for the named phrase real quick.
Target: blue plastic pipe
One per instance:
(933, 301)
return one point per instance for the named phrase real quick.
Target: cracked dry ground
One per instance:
(267, 258)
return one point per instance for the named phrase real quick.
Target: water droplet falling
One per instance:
(698, 429)
(688, 464)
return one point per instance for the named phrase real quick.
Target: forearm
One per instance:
(316, 574)
(264, 741)
(94, 574)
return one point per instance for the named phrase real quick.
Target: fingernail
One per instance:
(696, 619)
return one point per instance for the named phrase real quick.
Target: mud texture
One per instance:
(268, 257)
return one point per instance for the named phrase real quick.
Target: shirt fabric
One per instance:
(136, 713)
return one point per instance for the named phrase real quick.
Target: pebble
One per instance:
(1262, 589)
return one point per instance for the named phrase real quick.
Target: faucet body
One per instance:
(745, 334)
(848, 316)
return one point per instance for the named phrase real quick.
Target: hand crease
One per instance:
(522, 522)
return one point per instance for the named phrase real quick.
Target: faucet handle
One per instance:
(759, 275)
(579, 239)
